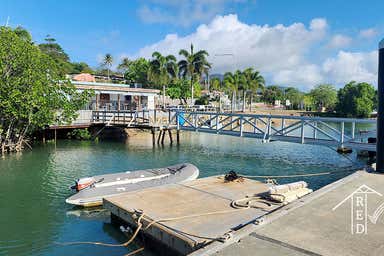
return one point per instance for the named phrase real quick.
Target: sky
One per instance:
(297, 43)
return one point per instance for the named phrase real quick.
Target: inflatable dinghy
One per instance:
(92, 190)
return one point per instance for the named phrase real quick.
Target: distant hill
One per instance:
(220, 76)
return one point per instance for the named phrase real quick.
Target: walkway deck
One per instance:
(311, 226)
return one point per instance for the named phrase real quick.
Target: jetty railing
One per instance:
(337, 132)
(155, 117)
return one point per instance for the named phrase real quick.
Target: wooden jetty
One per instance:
(186, 217)
(156, 121)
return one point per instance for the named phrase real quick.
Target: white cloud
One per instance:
(283, 53)
(318, 24)
(368, 33)
(348, 66)
(304, 76)
(263, 47)
(340, 41)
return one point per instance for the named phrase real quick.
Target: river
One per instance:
(34, 184)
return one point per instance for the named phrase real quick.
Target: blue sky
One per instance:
(316, 38)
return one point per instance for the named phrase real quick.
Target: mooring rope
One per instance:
(297, 174)
(139, 226)
(134, 252)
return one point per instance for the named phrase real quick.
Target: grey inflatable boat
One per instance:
(92, 190)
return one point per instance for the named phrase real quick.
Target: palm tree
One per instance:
(215, 84)
(124, 65)
(162, 69)
(193, 65)
(256, 82)
(247, 77)
(232, 82)
(107, 62)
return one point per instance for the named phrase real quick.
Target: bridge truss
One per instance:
(335, 132)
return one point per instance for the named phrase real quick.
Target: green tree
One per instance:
(107, 62)
(324, 96)
(81, 67)
(232, 82)
(137, 72)
(179, 89)
(159, 70)
(57, 53)
(272, 93)
(124, 65)
(308, 102)
(215, 84)
(254, 81)
(33, 91)
(193, 66)
(23, 33)
(356, 100)
(294, 96)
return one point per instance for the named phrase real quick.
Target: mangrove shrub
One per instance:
(34, 92)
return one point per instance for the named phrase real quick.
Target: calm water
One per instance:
(34, 184)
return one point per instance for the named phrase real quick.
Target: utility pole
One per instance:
(380, 112)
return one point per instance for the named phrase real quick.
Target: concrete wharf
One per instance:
(343, 218)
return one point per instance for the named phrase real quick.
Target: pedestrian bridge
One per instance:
(327, 131)
(332, 132)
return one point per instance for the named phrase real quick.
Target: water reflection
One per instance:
(34, 184)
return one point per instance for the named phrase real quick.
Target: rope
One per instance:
(134, 252)
(139, 226)
(192, 216)
(297, 174)
(250, 202)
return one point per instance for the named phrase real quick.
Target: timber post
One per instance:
(162, 137)
(170, 136)
(153, 136)
(158, 138)
(380, 112)
(55, 136)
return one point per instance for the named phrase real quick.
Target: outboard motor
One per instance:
(83, 183)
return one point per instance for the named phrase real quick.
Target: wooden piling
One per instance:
(178, 136)
(170, 136)
(153, 136)
(158, 138)
(55, 135)
(162, 137)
